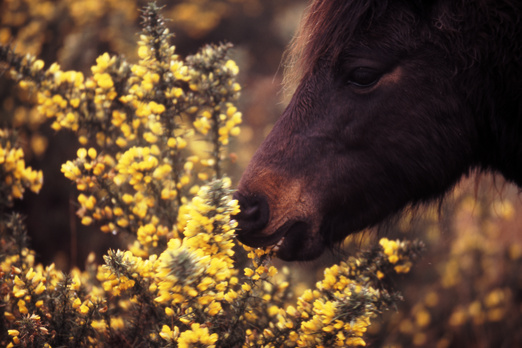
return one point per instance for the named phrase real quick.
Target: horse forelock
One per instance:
(323, 33)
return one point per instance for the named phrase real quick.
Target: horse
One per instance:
(394, 101)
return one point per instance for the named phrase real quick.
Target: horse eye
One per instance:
(364, 77)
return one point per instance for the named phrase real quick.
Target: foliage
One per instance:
(468, 293)
(200, 16)
(16, 176)
(74, 32)
(153, 134)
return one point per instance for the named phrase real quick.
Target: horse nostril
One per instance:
(254, 213)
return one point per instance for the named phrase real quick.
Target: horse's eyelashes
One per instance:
(364, 77)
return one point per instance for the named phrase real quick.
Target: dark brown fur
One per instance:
(445, 98)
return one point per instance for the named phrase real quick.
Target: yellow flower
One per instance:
(81, 153)
(355, 341)
(231, 66)
(102, 63)
(92, 153)
(40, 288)
(390, 249)
(38, 64)
(86, 220)
(117, 323)
(143, 52)
(168, 334)
(214, 308)
(248, 272)
(405, 268)
(197, 334)
(84, 309)
(104, 80)
(21, 307)
(99, 325)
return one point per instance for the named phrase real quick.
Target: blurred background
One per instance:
(466, 291)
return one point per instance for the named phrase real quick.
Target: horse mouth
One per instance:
(255, 240)
(289, 242)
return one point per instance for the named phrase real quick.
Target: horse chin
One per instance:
(293, 241)
(299, 243)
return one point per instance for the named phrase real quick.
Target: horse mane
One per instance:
(324, 29)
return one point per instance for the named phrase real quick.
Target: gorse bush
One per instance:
(469, 293)
(153, 139)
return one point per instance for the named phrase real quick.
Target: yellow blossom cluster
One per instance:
(492, 306)
(321, 315)
(210, 211)
(214, 74)
(392, 249)
(27, 26)
(197, 274)
(338, 311)
(34, 24)
(29, 22)
(123, 269)
(137, 178)
(197, 336)
(51, 28)
(192, 293)
(15, 177)
(31, 323)
(466, 292)
(28, 285)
